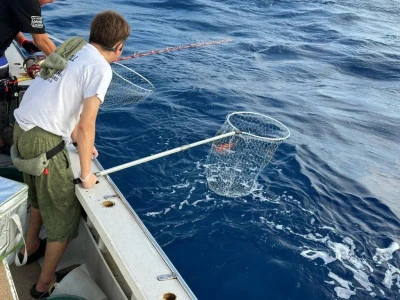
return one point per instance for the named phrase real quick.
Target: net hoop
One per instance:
(127, 87)
(284, 129)
(147, 90)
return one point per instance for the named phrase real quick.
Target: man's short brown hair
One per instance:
(109, 28)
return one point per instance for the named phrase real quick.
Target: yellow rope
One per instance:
(24, 78)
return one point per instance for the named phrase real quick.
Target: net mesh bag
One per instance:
(234, 163)
(127, 87)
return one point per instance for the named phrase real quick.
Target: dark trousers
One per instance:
(4, 106)
(3, 67)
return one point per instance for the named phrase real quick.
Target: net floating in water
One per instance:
(234, 162)
(127, 87)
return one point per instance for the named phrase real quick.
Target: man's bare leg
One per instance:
(32, 236)
(54, 251)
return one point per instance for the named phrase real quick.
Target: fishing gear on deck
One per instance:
(243, 146)
(9, 89)
(10, 96)
(32, 63)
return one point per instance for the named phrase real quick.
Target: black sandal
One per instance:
(36, 255)
(37, 295)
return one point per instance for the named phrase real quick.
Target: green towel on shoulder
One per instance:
(57, 60)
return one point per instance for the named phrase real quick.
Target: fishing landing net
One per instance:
(127, 87)
(242, 147)
(234, 162)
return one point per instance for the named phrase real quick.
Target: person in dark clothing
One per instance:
(19, 16)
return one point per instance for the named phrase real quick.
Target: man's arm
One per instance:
(44, 43)
(84, 134)
(19, 38)
(41, 40)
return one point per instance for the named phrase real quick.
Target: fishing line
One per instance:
(170, 49)
(160, 51)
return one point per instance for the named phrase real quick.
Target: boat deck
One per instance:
(5, 161)
(24, 278)
(5, 286)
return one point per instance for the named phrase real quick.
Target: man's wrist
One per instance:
(86, 177)
(21, 42)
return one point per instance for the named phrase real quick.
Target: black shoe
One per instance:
(38, 295)
(36, 255)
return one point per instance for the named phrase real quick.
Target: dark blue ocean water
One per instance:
(323, 221)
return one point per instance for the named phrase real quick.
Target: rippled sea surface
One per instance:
(323, 220)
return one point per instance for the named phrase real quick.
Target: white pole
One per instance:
(165, 153)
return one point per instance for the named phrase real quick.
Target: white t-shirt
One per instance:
(55, 104)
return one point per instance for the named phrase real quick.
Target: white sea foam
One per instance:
(317, 238)
(182, 185)
(385, 254)
(153, 214)
(194, 203)
(330, 252)
(392, 275)
(343, 283)
(312, 254)
(358, 266)
(344, 293)
(183, 203)
(345, 253)
(208, 198)
(186, 202)
(328, 227)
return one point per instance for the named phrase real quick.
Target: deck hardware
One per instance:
(166, 276)
(169, 296)
(108, 203)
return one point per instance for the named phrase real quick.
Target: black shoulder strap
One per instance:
(55, 150)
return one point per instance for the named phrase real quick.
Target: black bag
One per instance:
(10, 96)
